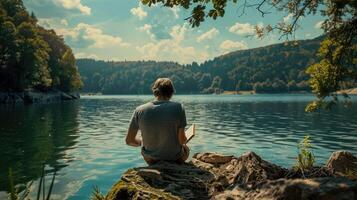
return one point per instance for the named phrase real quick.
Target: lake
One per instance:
(84, 140)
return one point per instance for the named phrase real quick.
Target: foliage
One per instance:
(305, 159)
(32, 57)
(351, 174)
(271, 69)
(15, 194)
(338, 62)
(97, 194)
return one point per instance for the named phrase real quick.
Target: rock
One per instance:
(216, 176)
(205, 176)
(343, 163)
(11, 98)
(33, 97)
(320, 188)
(75, 95)
(65, 96)
(163, 181)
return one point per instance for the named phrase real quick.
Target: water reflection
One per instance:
(272, 129)
(33, 135)
(88, 135)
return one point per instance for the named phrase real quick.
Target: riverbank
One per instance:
(214, 176)
(35, 97)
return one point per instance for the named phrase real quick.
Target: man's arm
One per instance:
(181, 136)
(131, 139)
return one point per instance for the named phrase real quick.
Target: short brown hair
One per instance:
(163, 87)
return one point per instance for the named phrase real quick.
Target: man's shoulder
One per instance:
(175, 103)
(150, 105)
(144, 106)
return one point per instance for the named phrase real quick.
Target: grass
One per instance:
(15, 194)
(306, 158)
(97, 194)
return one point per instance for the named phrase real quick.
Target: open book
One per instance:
(190, 132)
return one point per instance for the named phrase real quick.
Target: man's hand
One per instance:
(182, 136)
(131, 139)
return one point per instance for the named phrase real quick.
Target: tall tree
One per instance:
(70, 79)
(32, 57)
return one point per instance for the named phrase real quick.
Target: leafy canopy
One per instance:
(32, 57)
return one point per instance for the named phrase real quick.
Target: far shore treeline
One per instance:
(32, 57)
(276, 68)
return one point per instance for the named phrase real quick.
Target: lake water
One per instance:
(84, 140)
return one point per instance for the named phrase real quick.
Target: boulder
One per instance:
(33, 97)
(343, 163)
(328, 188)
(206, 175)
(216, 176)
(11, 97)
(66, 97)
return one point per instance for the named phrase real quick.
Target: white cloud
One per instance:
(172, 49)
(287, 18)
(94, 34)
(178, 32)
(231, 45)
(67, 32)
(318, 25)
(147, 29)
(207, 35)
(74, 4)
(242, 29)
(46, 22)
(52, 22)
(139, 12)
(86, 55)
(64, 22)
(175, 10)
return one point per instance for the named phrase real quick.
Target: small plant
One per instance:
(305, 159)
(15, 194)
(351, 174)
(97, 194)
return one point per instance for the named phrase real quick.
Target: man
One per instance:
(162, 125)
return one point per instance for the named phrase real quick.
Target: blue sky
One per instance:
(126, 30)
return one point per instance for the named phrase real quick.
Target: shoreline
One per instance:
(36, 97)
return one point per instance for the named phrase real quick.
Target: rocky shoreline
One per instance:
(215, 176)
(35, 97)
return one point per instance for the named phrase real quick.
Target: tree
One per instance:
(338, 50)
(33, 60)
(70, 79)
(8, 55)
(32, 57)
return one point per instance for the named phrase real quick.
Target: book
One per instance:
(190, 132)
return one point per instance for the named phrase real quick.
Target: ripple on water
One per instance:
(84, 140)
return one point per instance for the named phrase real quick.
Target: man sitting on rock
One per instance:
(162, 125)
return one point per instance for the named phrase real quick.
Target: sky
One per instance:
(127, 30)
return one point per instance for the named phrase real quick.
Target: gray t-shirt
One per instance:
(159, 122)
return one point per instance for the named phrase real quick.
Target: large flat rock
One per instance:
(215, 176)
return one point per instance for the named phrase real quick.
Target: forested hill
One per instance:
(274, 68)
(32, 57)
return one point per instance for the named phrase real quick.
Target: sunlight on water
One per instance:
(84, 140)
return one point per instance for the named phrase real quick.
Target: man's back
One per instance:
(159, 122)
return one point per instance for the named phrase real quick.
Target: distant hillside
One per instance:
(274, 68)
